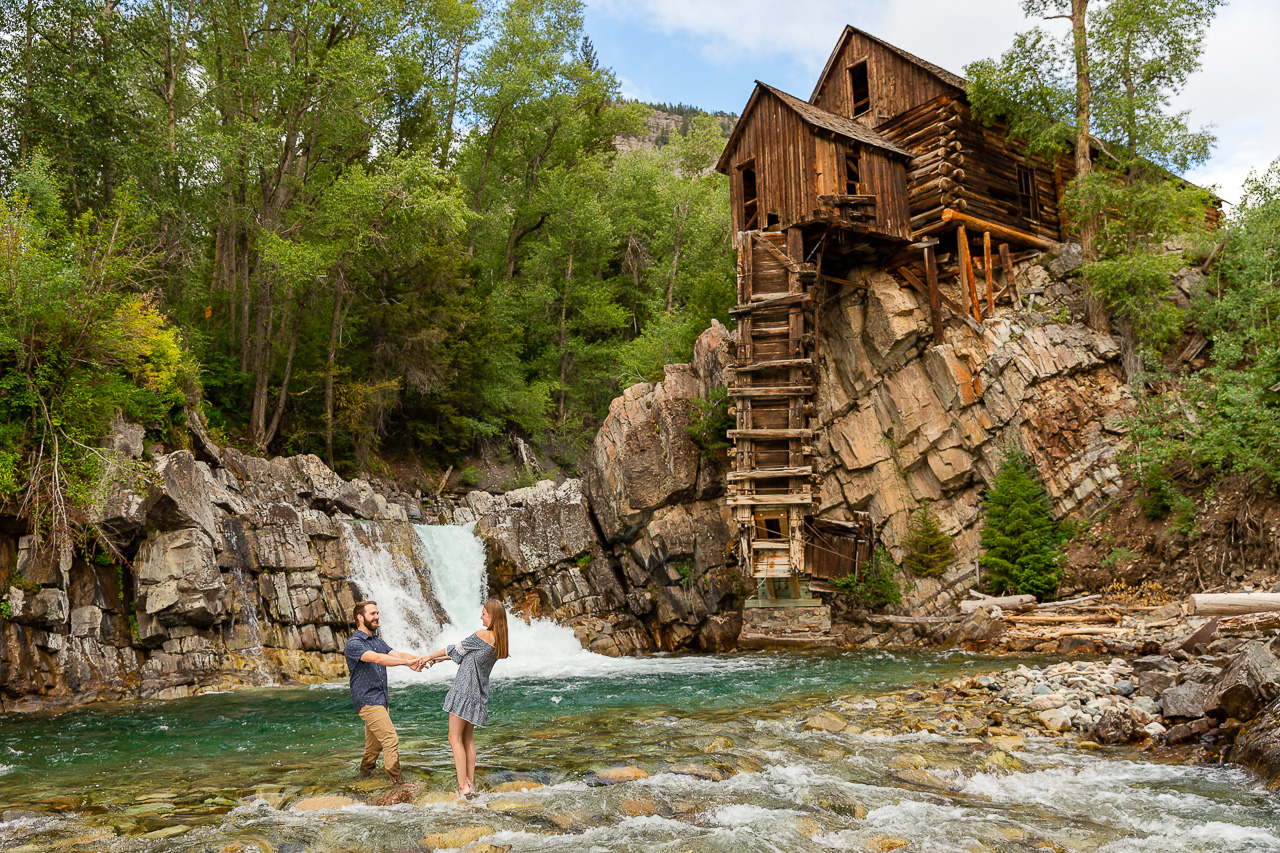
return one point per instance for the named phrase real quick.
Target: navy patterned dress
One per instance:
(469, 695)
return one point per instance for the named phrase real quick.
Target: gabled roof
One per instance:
(941, 73)
(814, 117)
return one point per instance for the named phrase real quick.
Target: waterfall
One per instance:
(447, 575)
(253, 627)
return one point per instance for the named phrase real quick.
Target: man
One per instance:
(368, 657)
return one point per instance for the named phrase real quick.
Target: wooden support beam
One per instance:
(766, 473)
(768, 246)
(843, 282)
(770, 500)
(767, 434)
(946, 300)
(935, 295)
(771, 303)
(772, 391)
(1013, 235)
(1010, 282)
(968, 292)
(986, 269)
(845, 198)
(769, 365)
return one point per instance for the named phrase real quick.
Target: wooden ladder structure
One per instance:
(773, 382)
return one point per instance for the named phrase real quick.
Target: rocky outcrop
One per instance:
(633, 556)
(903, 420)
(227, 573)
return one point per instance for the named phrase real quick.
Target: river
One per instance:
(729, 767)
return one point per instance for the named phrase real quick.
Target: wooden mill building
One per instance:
(883, 165)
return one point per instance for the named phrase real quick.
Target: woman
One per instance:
(468, 699)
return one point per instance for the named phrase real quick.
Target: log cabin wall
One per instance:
(963, 165)
(895, 83)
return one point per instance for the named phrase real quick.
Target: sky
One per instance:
(708, 53)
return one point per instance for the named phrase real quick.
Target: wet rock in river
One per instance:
(826, 721)
(1116, 727)
(317, 803)
(616, 775)
(460, 837)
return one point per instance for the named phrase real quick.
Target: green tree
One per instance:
(929, 549)
(1020, 537)
(873, 586)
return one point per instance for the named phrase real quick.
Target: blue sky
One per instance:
(708, 53)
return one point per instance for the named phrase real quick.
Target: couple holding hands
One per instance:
(467, 702)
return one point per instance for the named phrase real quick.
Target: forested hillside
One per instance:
(339, 226)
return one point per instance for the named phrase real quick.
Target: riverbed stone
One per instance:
(1183, 700)
(1247, 685)
(460, 837)
(825, 721)
(1055, 719)
(616, 775)
(319, 803)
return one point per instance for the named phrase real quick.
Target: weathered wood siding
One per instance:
(896, 84)
(964, 165)
(794, 164)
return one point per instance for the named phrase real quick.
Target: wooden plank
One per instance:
(966, 270)
(935, 295)
(770, 545)
(764, 241)
(986, 269)
(1014, 603)
(846, 198)
(772, 391)
(770, 365)
(768, 434)
(1013, 235)
(843, 282)
(776, 302)
(770, 500)
(765, 473)
(1010, 281)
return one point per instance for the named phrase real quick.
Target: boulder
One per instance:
(1055, 719)
(616, 775)
(642, 457)
(183, 500)
(1116, 727)
(825, 721)
(711, 358)
(1184, 700)
(1258, 744)
(1249, 683)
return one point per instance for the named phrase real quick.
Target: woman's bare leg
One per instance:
(471, 756)
(457, 742)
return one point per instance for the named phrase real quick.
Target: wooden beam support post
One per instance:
(986, 268)
(1010, 283)
(935, 296)
(1013, 235)
(968, 287)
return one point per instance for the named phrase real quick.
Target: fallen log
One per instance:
(1062, 618)
(1071, 602)
(1248, 623)
(1234, 603)
(1069, 632)
(1009, 603)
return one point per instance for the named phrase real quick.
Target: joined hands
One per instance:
(421, 663)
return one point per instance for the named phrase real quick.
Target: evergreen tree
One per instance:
(1020, 537)
(929, 548)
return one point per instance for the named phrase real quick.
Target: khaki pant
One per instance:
(380, 736)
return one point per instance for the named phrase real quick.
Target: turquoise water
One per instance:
(222, 771)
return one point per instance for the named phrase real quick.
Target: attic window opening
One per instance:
(750, 197)
(859, 90)
(851, 179)
(1028, 202)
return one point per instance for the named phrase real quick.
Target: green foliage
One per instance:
(584, 560)
(6, 610)
(1227, 417)
(710, 424)
(79, 344)
(1117, 556)
(470, 476)
(1020, 537)
(929, 549)
(874, 586)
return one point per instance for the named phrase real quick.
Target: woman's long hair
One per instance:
(498, 625)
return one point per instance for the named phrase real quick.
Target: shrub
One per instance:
(711, 424)
(874, 586)
(1020, 538)
(929, 548)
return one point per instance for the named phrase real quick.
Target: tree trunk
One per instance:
(331, 357)
(1083, 159)
(564, 313)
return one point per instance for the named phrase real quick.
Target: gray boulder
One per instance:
(1249, 683)
(1184, 700)
(178, 579)
(184, 498)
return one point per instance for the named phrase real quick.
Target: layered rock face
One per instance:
(903, 421)
(633, 556)
(239, 575)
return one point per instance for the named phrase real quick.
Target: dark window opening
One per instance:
(771, 220)
(769, 528)
(859, 90)
(1028, 202)
(851, 179)
(750, 197)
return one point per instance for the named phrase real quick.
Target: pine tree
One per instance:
(1020, 538)
(929, 548)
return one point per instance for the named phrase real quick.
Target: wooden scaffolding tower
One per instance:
(773, 382)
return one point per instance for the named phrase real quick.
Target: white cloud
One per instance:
(1240, 53)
